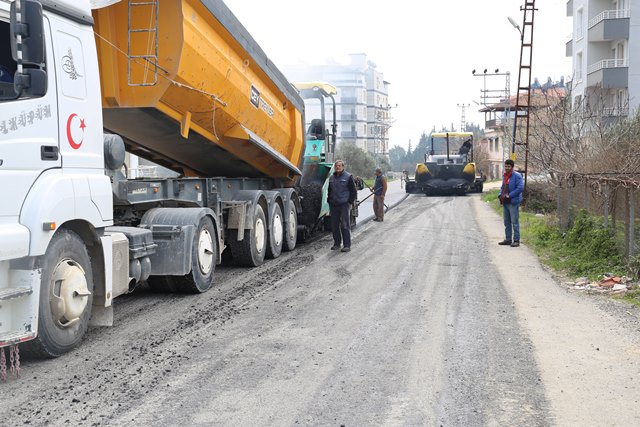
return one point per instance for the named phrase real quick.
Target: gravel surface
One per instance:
(425, 322)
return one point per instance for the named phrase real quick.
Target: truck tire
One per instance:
(276, 232)
(203, 264)
(66, 295)
(251, 250)
(162, 284)
(291, 228)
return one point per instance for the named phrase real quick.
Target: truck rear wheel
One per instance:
(203, 264)
(276, 232)
(66, 295)
(291, 228)
(251, 250)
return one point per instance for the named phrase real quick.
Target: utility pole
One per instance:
(523, 95)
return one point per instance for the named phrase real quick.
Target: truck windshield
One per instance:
(7, 64)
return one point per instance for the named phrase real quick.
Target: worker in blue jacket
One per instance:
(510, 199)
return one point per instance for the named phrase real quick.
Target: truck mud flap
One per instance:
(173, 253)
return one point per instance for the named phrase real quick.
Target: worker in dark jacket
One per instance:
(379, 191)
(340, 196)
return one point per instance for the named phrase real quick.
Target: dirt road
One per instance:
(426, 322)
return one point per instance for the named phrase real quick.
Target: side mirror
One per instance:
(31, 28)
(32, 82)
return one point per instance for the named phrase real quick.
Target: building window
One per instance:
(577, 102)
(579, 24)
(579, 66)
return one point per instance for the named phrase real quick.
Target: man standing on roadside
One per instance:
(379, 191)
(510, 198)
(340, 196)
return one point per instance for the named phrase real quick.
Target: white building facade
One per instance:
(362, 108)
(606, 59)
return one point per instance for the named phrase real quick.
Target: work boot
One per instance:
(505, 243)
(345, 249)
(335, 247)
(515, 243)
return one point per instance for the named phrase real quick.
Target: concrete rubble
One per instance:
(608, 285)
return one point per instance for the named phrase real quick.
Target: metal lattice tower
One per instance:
(463, 121)
(523, 96)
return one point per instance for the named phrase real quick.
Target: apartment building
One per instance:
(362, 110)
(604, 50)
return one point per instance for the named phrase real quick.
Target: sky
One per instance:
(425, 49)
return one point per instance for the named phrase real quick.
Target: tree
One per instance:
(578, 136)
(397, 157)
(383, 163)
(423, 147)
(357, 161)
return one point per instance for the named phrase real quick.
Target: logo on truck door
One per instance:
(75, 131)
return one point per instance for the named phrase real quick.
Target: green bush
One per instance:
(586, 249)
(540, 198)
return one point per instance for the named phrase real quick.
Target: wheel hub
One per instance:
(260, 235)
(292, 223)
(69, 292)
(205, 252)
(278, 230)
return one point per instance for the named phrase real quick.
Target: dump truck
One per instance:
(446, 172)
(94, 85)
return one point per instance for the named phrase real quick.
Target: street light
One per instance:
(501, 96)
(515, 25)
(486, 94)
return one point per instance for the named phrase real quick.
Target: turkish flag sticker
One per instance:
(75, 131)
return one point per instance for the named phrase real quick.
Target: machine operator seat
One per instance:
(315, 129)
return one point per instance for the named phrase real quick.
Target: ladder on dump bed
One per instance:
(523, 96)
(139, 11)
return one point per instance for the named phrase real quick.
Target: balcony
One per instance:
(570, 8)
(609, 74)
(496, 123)
(348, 117)
(349, 100)
(609, 25)
(348, 134)
(615, 112)
(569, 48)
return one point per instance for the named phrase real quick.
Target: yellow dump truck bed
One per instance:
(214, 106)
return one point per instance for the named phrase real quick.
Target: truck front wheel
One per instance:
(66, 294)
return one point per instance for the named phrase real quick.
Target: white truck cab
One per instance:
(56, 198)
